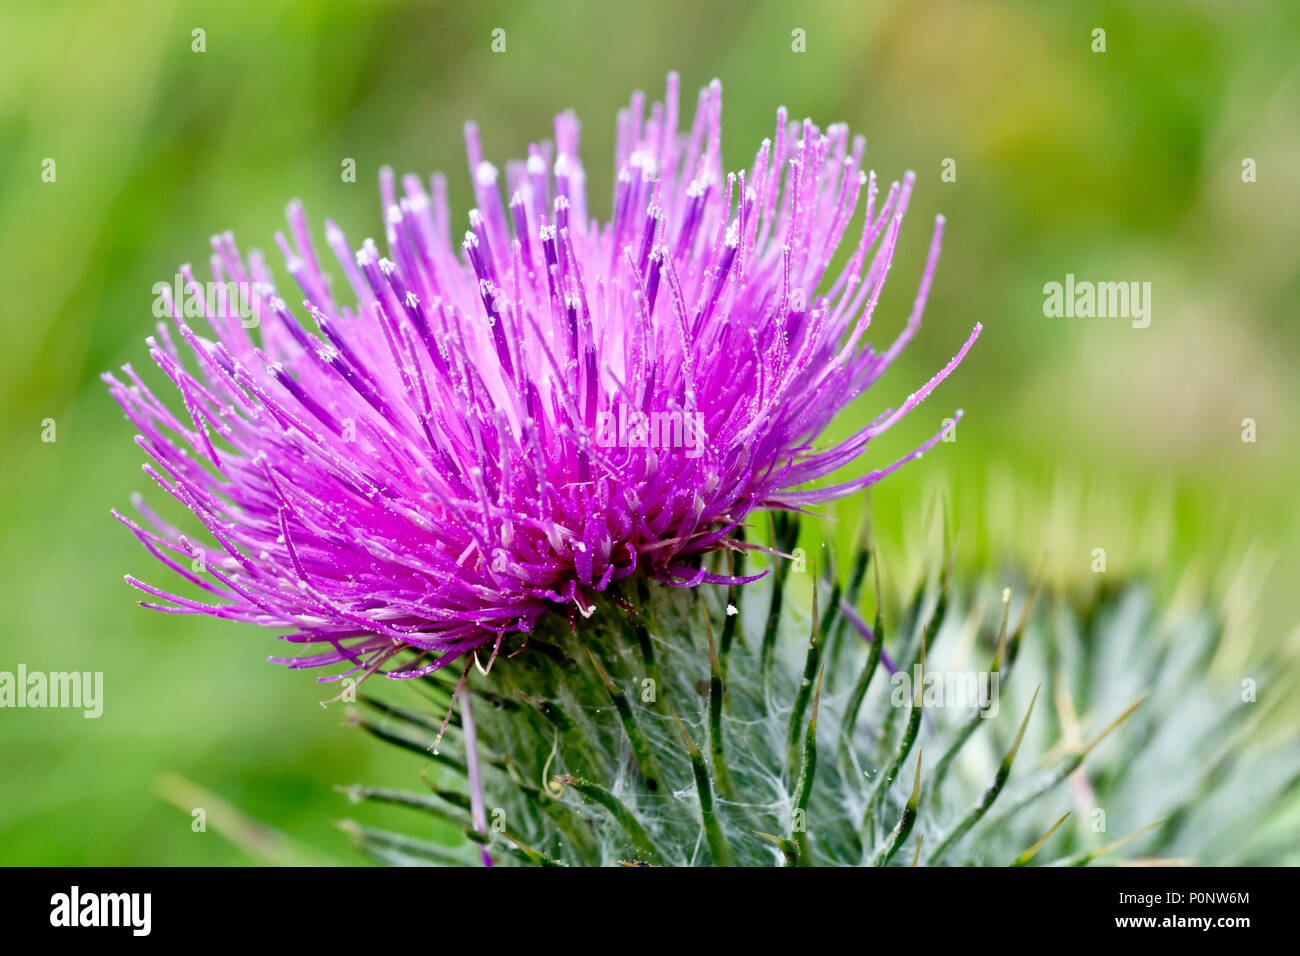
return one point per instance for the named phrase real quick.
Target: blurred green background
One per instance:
(1080, 433)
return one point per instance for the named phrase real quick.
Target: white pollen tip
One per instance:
(486, 174)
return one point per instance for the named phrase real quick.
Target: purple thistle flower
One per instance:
(475, 434)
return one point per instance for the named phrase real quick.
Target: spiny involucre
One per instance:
(470, 435)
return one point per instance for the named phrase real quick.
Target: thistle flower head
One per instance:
(466, 434)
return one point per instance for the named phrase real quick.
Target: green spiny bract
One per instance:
(670, 729)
